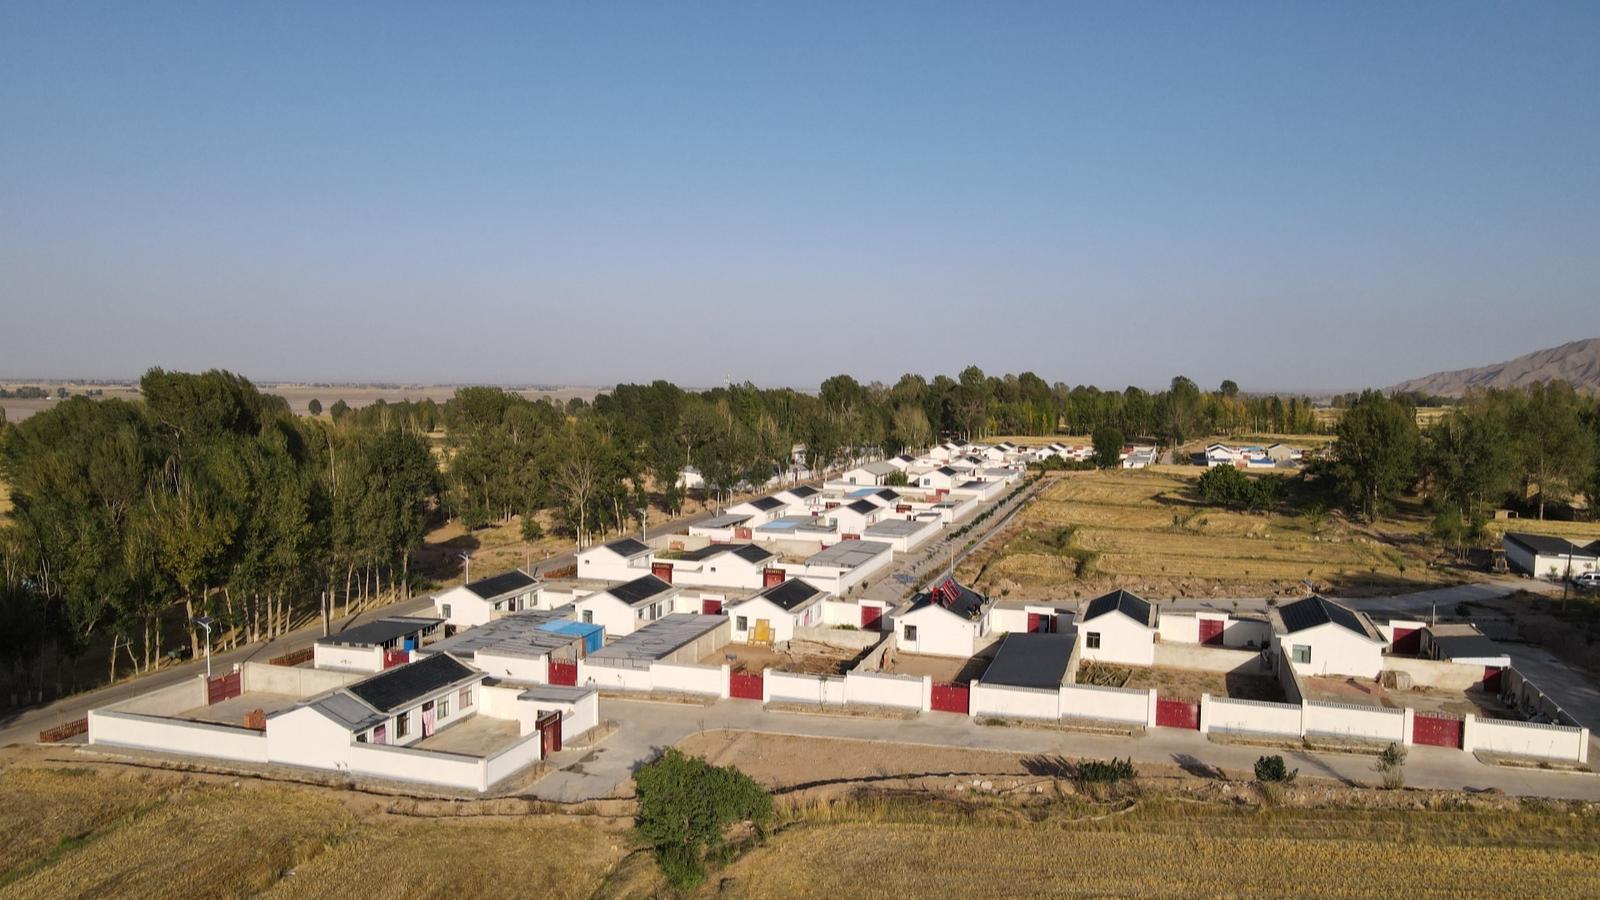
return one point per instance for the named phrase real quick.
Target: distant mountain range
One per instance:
(1577, 363)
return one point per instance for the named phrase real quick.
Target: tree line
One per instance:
(1523, 449)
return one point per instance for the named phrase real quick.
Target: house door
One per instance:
(1407, 641)
(772, 577)
(380, 734)
(871, 618)
(549, 725)
(1211, 631)
(662, 570)
(427, 719)
(711, 607)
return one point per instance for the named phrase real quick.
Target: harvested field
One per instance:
(802, 657)
(89, 833)
(1167, 848)
(1146, 530)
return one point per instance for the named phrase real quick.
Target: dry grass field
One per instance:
(1145, 530)
(1168, 848)
(89, 834)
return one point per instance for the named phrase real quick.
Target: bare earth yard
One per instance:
(802, 657)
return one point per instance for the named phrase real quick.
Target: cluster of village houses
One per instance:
(1272, 456)
(510, 668)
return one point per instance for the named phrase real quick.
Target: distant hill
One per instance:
(1577, 363)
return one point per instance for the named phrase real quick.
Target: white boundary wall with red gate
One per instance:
(689, 678)
(791, 687)
(1532, 739)
(1373, 723)
(1010, 702)
(882, 689)
(153, 732)
(1224, 714)
(1109, 704)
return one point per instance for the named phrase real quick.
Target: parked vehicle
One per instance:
(1589, 581)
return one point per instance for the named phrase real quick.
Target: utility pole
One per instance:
(467, 558)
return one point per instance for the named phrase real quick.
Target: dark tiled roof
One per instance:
(1318, 610)
(1031, 660)
(1130, 605)
(1550, 545)
(946, 470)
(1466, 646)
(627, 547)
(379, 632)
(766, 504)
(887, 494)
(864, 507)
(752, 553)
(403, 685)
(639, 590)
(706, 552)
(803, 491)
(512, 582)
(790, 594)
(952, 596)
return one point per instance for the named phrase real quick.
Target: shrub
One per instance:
(531, 529)
(1271, 769)
(1099, 771)
(1392, 765)
(686, 806)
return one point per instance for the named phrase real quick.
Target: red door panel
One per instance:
(744, 686)
(1178, 714)
(1407, 641)
(872, 618)
(1211, 631)
(711, 607)
(563, 672)
(1436, 731)
(952, 697)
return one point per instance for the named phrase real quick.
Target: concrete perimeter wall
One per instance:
(183, 696)
(1109, 704)
(875, 661)
(1346, 720)
(690, 679)
(878, 689)
(177, 736)
(850, 639)
(1223, 714)
(1434, 673)
(293, 680)
(788, 687)
(1209, 659)
(1005, 701)
(1531, 739)
(422, 766)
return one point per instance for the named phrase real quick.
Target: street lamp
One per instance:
(205, 622)
(467, 558)
(644, 523)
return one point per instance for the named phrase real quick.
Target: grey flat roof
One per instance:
(348, 711)
(726, 520)
(1030, 660)
(849, 554)
(659, 639)
(518, 634)
(556, 693)
(895, 527)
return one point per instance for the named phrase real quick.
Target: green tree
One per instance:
(1376, 450)
(686, 807)
(1107, 447)
(1555, 448)
(314, 407)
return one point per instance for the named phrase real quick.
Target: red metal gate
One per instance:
(662, 570)
(392, 658)
(1491, 679)
(563, 671)
(711, 607)
(1211, 632)
(1178, 714)
(1436, 731)
(744, 686)
(771, 577)
(871, 618)
(952, 697)
(549, 725)
(1407, 641)
(223, 687)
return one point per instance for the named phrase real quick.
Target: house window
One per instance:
(1302, 653)
(444, 608)
(742, 624)
(361, 738)
(402, 724)
(641, 613)
(442, 709)
(911, 632)
(1092, 640)
(588, 617)
(466, 697)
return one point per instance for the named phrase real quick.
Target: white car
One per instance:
(1588, 580)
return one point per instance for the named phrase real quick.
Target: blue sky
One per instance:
(1305, 196)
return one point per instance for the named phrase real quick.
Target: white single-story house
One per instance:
(1031, 617)
(844, 565)
(941, 479)
(1463, 643)
(620, 560)
(1139, 458)
(374, 646)
(854, 517)
(800, 496)
(902, 462)
(396, 707)
(479, 601)
(1548, 556)
(773, 615)
(1283, 453)
(624, 608)
(984, 491)
(1320, 637)
(903, 533)
(1118, 627)
(517, 647)
(945, 620)
(870, 473)
(723, 528)
(761, 510)
(690, 479)
(716, 565)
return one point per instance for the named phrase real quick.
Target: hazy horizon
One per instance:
(1300, 198)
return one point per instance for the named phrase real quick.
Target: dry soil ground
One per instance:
(1146, 530)
(802, 657)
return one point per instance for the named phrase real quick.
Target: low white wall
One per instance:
(1208, 659)
(293, 680)
(422, 766)
(1082, 701)
(840, 637)
(689, 679)
(513, 759)
(177, 736)
(1249, 716)
(608, 678)
(1558, 742)
(1010, 702)
(167, 701)
(788, 687)
(583, 715)
(1434, 673)
(1183, 628)
(878, 689)
(1348, 720)
(1288, 679)
(874, 661)
(352, 659)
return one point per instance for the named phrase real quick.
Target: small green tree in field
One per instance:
(531, 529)
(1271, 770)
(687, 805)
(896, 479)
(1107, 447)
(1391, 765)
(314, 407)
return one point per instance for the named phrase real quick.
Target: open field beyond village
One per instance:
(1147, 531)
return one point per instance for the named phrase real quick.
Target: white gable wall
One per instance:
(1335, 650)
(1122, 640)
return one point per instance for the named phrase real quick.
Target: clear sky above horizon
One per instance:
(1296, 196)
